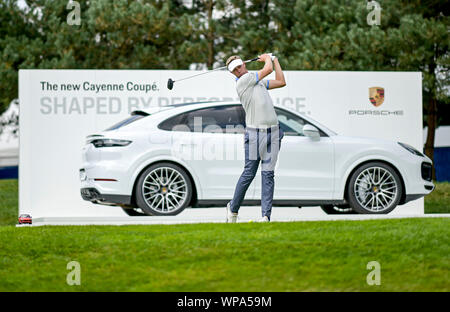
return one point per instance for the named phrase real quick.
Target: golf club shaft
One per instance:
(209, 71)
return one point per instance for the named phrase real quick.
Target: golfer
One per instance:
(262, 138)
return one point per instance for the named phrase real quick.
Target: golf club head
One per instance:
(170, 84)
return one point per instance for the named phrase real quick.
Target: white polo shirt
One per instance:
(257, 103)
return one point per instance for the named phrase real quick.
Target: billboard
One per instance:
(59, 108)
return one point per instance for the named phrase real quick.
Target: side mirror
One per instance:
(311, 131)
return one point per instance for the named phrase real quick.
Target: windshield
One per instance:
(294, 122)
(323, 127)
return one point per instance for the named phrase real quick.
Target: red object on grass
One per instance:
(25, 219)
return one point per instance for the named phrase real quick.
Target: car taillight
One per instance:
(109, 142)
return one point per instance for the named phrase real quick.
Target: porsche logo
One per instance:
(376, 96)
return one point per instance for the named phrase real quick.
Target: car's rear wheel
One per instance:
(374, 188)
(337, 209)
(163, 189)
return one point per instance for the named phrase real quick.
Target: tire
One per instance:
(163, 189)
(133, 212)
(374, 188)
(337, 210)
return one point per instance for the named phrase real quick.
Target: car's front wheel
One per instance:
(374, 188)
(163, 189)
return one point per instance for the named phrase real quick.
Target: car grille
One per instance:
(426, 171)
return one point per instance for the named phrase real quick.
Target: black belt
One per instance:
(263, 129)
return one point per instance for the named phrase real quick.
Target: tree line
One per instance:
(306, 34)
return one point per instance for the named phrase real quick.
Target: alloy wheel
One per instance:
(375, 189)
(164, 190)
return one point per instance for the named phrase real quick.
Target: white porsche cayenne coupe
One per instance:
(191, 155)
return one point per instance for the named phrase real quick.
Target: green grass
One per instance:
(294, 256)
(9, 201)
(439, 200)
(414, 255)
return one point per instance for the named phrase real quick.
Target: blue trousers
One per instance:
(261, 145)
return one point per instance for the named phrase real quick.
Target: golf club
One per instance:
(170, 82)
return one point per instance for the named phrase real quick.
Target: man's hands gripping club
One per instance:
(267, 58)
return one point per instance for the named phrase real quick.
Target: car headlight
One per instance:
(109, 142)
(411, 149)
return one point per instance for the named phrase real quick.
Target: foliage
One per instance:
(306, 34)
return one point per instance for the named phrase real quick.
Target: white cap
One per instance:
(235, 63)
